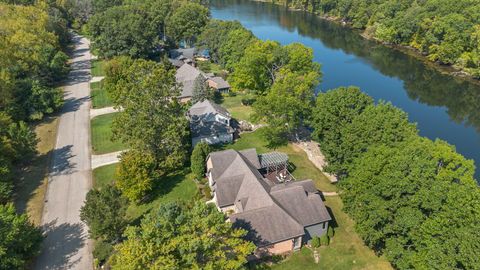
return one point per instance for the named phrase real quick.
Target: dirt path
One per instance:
(66, 245)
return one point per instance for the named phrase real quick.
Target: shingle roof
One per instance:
(206, 106)
(267, 225)
(188, 53)
(202, 128)
(221, 83)
(186, 76)
(270, 213)
(305, 207)
(186, 73)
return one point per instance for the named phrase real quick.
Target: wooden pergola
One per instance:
(273, 161)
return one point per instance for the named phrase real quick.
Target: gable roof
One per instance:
(221, 83)
(188, 53)
(270, 213)
(186, 73)
(205, 107)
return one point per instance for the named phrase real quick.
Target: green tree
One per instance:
(214, 35)
(335, 110)
(136, 174)
(376, 125)
(416, 202)
(181, 237)
(258, 68)
(200, 90)
(30, 61)
(124, 30)
(289, 102)
(198, 159)
(104, 212)
(19, 239)
(233, 48)
(152, 120)
(187, 22)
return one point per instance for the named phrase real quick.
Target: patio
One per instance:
(274, 167)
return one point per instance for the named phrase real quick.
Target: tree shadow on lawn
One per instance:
(163, 186)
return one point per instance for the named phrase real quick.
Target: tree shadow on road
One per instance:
(62, 242)
(61, 164)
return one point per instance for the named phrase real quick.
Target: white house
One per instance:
(210, 123)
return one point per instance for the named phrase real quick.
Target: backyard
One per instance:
(234, 105)
(102, 135)
(346, 250)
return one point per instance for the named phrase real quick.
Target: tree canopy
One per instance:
(104, 212)
(124, 30)
(187, 21)
(416, 202)
(152, 120)
(176, 236)
(198, 159)
(31, 61)
(19, 239)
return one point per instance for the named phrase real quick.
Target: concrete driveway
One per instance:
(66, 245)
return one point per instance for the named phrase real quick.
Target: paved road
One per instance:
(66, 245)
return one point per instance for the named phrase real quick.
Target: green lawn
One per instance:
(100, 98)
(209, 67)
(103, 176)
(346, 250)
(176, 186)
(235, 107)
(102, 134)
(98, 67)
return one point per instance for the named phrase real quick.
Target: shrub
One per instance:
(315, 242)
(248, 101)
(102, 251)
(197, 160)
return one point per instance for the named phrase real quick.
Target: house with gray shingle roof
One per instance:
(185, 76)
(210, 123)
(279, 216)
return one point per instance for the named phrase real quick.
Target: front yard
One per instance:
(97, 67)
(102, 135)
(100, 98)
(174, 187)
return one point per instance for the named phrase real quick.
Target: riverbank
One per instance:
(450, 70)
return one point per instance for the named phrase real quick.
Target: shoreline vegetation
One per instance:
(447, 69)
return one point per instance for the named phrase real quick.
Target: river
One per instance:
(443, 106)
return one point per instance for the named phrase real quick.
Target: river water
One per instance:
(443, 106)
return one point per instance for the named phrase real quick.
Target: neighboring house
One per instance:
(179, 57)
(210, 123)
(219, 84)
(259, 194)
(186, 76)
